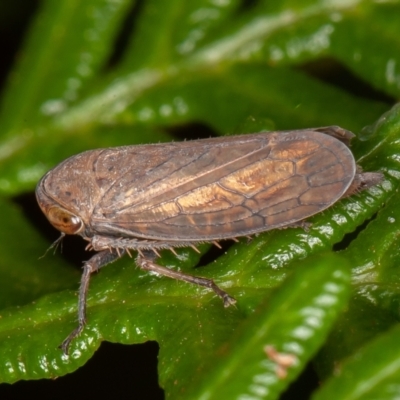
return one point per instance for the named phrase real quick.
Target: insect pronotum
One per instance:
(163, 196)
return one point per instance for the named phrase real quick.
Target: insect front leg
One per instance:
(98, 261)
(147, 263)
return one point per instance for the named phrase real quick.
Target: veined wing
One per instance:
(222, 188)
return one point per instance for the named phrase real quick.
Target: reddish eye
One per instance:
(64, 221)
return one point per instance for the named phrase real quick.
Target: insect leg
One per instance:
(363, 181)
(98, 261)
(147, 264)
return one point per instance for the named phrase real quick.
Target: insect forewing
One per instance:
(219, 188)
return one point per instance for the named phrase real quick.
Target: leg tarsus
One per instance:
(64, 346)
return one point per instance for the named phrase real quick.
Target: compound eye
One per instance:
(64, 221)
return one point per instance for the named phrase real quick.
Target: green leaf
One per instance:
(57, 61)
(24, 274)
(375, 258)
(106, 73)
(359, 378)
(109, 97)
(289, 324)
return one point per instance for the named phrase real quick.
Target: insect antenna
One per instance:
(54, 245)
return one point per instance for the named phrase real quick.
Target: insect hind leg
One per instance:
(146, 262)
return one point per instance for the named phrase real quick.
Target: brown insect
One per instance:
(162, 196)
